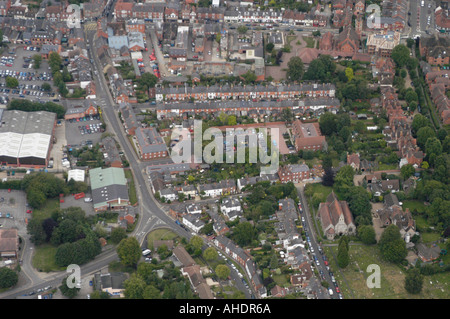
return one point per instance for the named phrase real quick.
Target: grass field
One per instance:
(160, 234)
(45, 212)
(131, 187)
(44, 258)
(309, 42)
(414, 205)
(354, 285)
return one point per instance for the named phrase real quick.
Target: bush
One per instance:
(8, 278)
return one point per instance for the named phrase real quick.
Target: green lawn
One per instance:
(46, 210)
(385, 167)
(44, 258)
(392, 277)
(309, 42)
(160, 234)
(430, 237)
(414, 205)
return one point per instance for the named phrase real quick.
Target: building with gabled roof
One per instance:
(109, 188)
(336, 218)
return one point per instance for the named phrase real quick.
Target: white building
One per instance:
(193, 222)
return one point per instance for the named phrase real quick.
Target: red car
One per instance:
(337, 290)
(326, 263)
(29, 211)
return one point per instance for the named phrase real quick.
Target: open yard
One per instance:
(160, 234)
(44, 258)
(45, 212)
(352, 279)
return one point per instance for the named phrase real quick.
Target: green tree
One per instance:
(147, 80)
(344, 180)
(151, 292)
(349, 74)
(343, 258)
(196, 242)
(244, 233)
(11, 82)
(358, 199)
(392, 246)
(222, 271)
(327, 123)
(134, 287)
(274, 261)
(66, 291)
(129, 251)
(411, 96)
(400, 55)
(36, 231)
(407, 170)
(423, 134)
(210, 254)
(46, 87)
(433, 146)
(367, 234)
(117, 234)
(269, 47)
(413, 281)
(8, 278)
(295, 69)
(242, 29)
(418, 122)
(37, 59)
(232, 120)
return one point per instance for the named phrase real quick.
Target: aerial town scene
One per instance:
(227, 150)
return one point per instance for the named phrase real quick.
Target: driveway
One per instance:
(376, 221)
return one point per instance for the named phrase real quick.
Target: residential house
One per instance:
(436, 49)
(168, 194)
(428, 254)
(193, 222)
(354, 161)
(294, 173)
(183, 256)
(231, 207)
(193, 209)
(392, 185)
(111, 283)
(217, 189)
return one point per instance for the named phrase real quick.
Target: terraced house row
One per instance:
(245, 92)
(247, 108)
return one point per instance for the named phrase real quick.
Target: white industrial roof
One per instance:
(76, 174)
(26, 134)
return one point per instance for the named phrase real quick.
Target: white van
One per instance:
(146, 252)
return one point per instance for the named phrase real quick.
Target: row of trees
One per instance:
(41, 186)
(30, 106)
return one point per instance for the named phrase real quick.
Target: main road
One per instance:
(151, 215)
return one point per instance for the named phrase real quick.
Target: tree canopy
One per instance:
(295, 69)
(392, 246)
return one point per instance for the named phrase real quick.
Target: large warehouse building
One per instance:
(26, 138)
